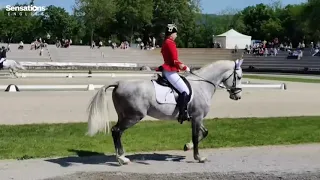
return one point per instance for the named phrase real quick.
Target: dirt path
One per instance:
(272, 162)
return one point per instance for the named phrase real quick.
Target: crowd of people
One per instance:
(264, 48)
(63, 43)
(147, 45)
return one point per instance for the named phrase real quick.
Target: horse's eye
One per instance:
(239, 78)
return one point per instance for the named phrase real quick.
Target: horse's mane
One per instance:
(212, 64)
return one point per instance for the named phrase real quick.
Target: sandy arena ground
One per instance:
(276, 162)
(52, 106)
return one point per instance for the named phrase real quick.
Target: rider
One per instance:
(3, 54)
(171, 66)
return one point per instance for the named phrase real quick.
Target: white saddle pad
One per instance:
(166, 95)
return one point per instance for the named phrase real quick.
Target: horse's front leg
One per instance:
(14, 72)
(203, 133)
(10, 72)
(196, 128)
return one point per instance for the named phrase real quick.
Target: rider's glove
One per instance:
(188, 69)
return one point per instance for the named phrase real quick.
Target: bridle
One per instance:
(233, 89)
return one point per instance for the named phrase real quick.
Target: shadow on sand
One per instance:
(89, 157)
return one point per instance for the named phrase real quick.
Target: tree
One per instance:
(187, 22)
(165, 12)
(181, 12)
(238, 23)
(312, 17)
(254, 17)
(133, 15)
(204, 29)
(16, 26)
(292, 24)
(271, 29)
(95, 13)
(57, 22)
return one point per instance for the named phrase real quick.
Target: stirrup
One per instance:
(184, 117)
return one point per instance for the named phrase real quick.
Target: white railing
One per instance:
(62, 64)
(15, 88)
(70, 75)
(266, 86)
(91, 87)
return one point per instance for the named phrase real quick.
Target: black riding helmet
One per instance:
(171, 28)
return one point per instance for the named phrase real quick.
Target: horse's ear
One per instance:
(239, 63)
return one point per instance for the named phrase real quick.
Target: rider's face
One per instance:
(174, 35)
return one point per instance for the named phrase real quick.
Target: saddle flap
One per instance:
(166, 93)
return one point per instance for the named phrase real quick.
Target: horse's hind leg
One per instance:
(129, 113)
(117, 131)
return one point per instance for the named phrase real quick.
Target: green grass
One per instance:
(279, 78)
(48, 140)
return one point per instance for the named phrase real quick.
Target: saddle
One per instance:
(165, 90)
(162, 80)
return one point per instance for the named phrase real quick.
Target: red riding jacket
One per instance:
(170, 56)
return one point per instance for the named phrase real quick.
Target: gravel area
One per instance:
(193, 176)
(266, 162)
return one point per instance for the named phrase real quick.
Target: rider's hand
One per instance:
(188, 69)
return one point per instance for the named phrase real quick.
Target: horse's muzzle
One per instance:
(234, 93)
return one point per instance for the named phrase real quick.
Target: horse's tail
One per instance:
(98, 119)
(18, 65)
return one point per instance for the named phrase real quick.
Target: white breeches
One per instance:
(2, 59)
(176, 81)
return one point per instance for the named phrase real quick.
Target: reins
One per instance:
(203, 79)
(207, 81)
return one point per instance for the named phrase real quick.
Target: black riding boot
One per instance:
(183, 103)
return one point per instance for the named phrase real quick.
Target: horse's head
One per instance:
(232, 80)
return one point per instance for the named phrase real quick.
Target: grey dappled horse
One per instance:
(12, 66)
(134, 99)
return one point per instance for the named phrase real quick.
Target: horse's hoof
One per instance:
(123, 160)
(185, 148)
(202, 159)
(188, 146)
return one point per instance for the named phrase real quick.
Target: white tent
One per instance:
(231, 38)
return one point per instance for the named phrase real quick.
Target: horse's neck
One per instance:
(214, 72)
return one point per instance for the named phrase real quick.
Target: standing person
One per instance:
(3, 54)
(171, 66)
